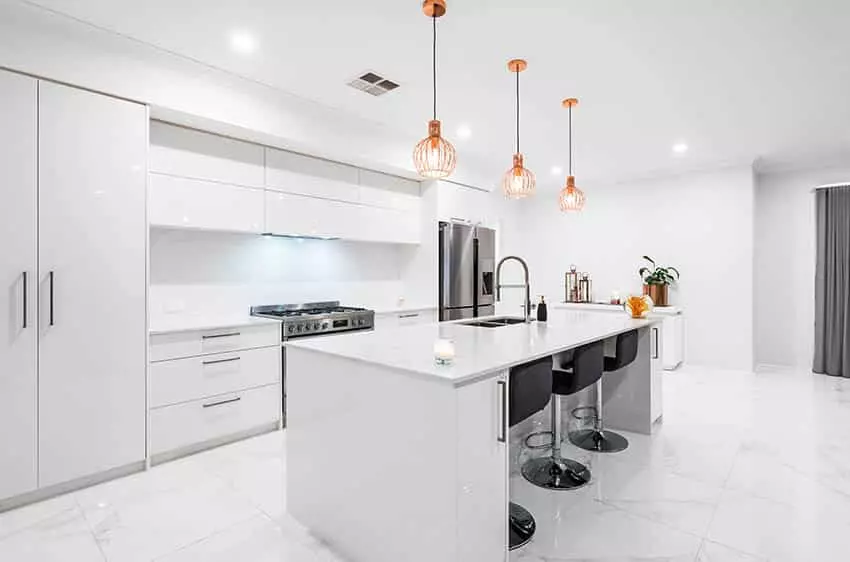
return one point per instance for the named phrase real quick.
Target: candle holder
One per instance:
(444, 352)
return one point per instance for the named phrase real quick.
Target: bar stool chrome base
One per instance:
(599, 441)
(522, 526)
(556, 474)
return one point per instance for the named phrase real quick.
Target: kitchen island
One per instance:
(392, 457)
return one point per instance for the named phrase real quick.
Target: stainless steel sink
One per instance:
(494, 322)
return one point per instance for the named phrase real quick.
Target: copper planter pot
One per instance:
(658, 294)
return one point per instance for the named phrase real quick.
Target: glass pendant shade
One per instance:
(434, 156)
(571, 198)
(519, 181)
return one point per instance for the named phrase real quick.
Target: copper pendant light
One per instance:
(434, 156)
(519, 181)
(571, 198)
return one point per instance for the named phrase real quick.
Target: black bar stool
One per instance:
(529, 391)
(555, 472)
(599, 439)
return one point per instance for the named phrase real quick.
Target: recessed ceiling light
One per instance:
(464, 132)
(243, 42)
(557, 170)
(680, 148)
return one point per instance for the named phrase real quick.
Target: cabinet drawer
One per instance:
(181, 380)
(173, 427)
(178, 345)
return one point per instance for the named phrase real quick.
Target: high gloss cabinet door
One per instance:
(483, 470)
(18, 259)
(92, 264)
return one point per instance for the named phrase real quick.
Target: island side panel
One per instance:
(371, 465)
(483, 469)
(631, 396)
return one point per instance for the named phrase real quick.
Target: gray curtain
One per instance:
(832, 282)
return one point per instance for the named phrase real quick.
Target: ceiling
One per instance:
(737, 80)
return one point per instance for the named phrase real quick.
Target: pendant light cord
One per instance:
(571, 140)
(434, 61)
(517, 112)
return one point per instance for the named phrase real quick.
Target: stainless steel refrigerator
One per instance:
(467, 265)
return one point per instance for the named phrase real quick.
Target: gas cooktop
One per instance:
(314, 318)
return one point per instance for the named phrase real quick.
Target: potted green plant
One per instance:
(656, 279)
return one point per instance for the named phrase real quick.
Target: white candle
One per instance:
(444, 351)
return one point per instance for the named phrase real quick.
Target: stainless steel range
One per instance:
(316, 318)
(313, 319)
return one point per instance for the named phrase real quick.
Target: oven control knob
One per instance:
(315, 325)
(291, 329)
(298, 328)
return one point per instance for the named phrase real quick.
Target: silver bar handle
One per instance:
(51, 316)
(217, 361)
(655, 351)
(216, 336)
(25, 323)
(414, 315)
(222, 402)
(503, 412)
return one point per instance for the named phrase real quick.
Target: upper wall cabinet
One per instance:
(200, 180)
(189, 203)
(459, 203)
(302, 175)
(178, 151)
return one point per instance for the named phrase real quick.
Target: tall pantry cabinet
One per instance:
(73, 335)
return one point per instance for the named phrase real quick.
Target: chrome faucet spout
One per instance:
(526, 285)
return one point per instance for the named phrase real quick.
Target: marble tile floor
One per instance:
(746, 467)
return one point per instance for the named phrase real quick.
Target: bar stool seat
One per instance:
(528, 393)
(598, 439)
(554, 472)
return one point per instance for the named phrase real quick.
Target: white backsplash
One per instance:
(218, 274)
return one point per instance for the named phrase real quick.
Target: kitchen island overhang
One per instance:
(392, 457)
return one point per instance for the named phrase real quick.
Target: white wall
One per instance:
(702, 223)
(196, 273)
(785, 243)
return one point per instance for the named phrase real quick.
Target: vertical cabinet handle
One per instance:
(503, 412)
(25, 322)
(51, 319)
(655, 336)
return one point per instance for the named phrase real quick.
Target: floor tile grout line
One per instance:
(89, 526)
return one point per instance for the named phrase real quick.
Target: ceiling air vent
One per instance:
(373, 84)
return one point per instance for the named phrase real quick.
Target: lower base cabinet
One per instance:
(217, 417)
(211, 386)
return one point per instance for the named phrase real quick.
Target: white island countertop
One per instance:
(480, 352)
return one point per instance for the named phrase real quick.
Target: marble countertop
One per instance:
(480, 352)
(189, 323)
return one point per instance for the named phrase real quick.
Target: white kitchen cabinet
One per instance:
(178, 151)
(192, 378)
(92, 280)
(303, 175)
(189, 203)
(192, 343)
(458, 203)
(656, 356)
(201, 421)
(296, 215)
(213, 385)
(18, 272)
(377, 224)
(674, 341)
(396, 319)
(391, 192)
(482, 435)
